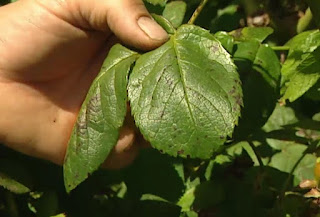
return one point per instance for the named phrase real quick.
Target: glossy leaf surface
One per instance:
(186, 95)
(100, 118)
(305, 75)
(300, 48)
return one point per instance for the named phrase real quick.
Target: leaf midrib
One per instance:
(183, 81)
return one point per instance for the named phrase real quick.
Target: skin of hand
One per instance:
(51, 50)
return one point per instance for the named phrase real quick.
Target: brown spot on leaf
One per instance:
(233, 90)
(214, 48)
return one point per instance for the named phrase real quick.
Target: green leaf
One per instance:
(60, 215)
(100, 118)
(227, 18)
(187, 200)
(157, 2)
(281, 116)
(314, 92)
(246, 51)
(47, 204)
(226, 40)
(208, 194)
(14, 175)
(315, 9)
(305, 75)
(300, 48)
(253, 33)
(288, 157)
(13, 185)
(257, 33)
(186, 95)
(148, 171)
(174, 12)
(164, 23)
(305, 42)
(305, 22)
(316, 117)
(259, 69)
(189, 214)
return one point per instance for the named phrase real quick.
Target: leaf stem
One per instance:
(280, 48)
(197, 12)
(285, 186)
(257, 154)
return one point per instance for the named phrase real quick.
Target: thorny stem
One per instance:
(257, 154)
(197, 11)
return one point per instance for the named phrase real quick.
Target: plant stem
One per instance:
(280, 48)
(286, 184)
(197, 11)
(256, 153)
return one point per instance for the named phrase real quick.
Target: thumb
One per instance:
(129, 20)
(131, 23)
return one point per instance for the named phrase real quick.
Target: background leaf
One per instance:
(175, 12)
(185, 96)
(287, 158)
(12, 185)
(226, 40)
(253, 33)
(149, 170)
(305, 75)
(100, 118)
(300, 48)
(164, 23)
(14, 176)
(259, 69)
(157, 2)
(315, 9)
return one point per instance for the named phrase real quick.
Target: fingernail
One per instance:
(152, 29)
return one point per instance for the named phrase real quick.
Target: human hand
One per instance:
(51, 50)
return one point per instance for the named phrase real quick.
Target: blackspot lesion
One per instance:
(215, 48)
(82, 124)
(94, 103)
(94, 110)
